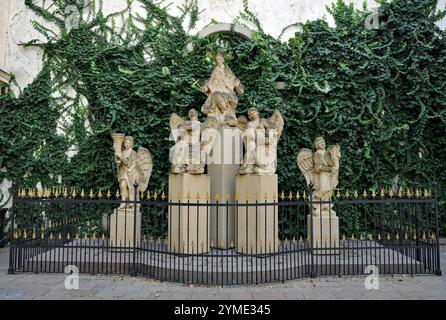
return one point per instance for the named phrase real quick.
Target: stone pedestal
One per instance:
(257, 226)
(325, 234)
(188, 225)
(122, 227)
(227, 155)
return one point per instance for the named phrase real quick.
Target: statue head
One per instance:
(128, 142)
(253, 113)
(220, 59)
(193, 115)
(319, 143)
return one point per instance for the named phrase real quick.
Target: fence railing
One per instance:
(230, 241)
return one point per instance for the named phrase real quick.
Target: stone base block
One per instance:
(257, 225)
(122, 227)
(325, 233)
(188, 225)
(227, 157)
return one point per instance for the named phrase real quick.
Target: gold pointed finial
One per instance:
(397, 237)
(227, 197)
(148, 195)
(163, 196)
(34, 234)
(202, 244)
(261, 244)
(417, 193)
(236, 196)
(353, 236)
(373, 194)
(207, 196)
(338, 194)
(355, 194)
(400, 193)
(265, 196)
(379, 236)
(282, 196)
(82, 194)
(424, 235)
(91, 194)
(247, 197)
(232, 244)
(347, 194)
(42, 235)
(257, 195)
(297, 195)
(304, 196)
(117, 194)
(405, 236)
(192, 244)
(388, 237)
(212, 243)
(364, 194)
(155, 195)
(108, 194)
(68, 236)
(301, 239)
(408, 193)
(222, 244)
(290, 196)
(390, 192)
(51, 236)
(217, 197)
(383, 193)
(100, 194)
(170, 196)
(414, 235)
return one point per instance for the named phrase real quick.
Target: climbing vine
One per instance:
(379, 93)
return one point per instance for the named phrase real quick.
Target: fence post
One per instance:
(437, 231)
(11, 232)
(135, 210)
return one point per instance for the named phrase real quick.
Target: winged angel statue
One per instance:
(321, 171)
(192, 138)
(133, 167)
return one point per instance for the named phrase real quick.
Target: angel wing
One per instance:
(175, 122)
(145, 164)
(335, 156)
(277, 121)
(305, 164)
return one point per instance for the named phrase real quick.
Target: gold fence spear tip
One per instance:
(108, 194)
(94, 235)
(355, 194)
(117, 194)
(379, 236)
(68, 236)
(236, 197)
(405, 236)
(91, 195)
(257, 195)
(297, 195)
(212, 243)
(353, 236)
(282, 196)
(397, 237)
(34, 234)
(82, 194)
(202, 244)
(188, 196)
(301, 239)
(192, 244)
(424, 235)
(388, 237)
(373, 194)
(383, 193)
(338, 194)
(290, 196)
(227, 197)
(364, 194)
(183, 243)
(42, 235)
(100, 194)
(222, 244)
(390, 192)
(265, 196)
(304, 196)
(414, 235)
(163, 196)
(207, 196)
(51, 236)
(170, 196)
(148, 196)
(247, 196)
(155, 195)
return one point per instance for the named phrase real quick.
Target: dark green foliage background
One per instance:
(386, 106)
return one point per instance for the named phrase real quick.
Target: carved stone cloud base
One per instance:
(257, 226)
(325, 233)
(188, 225)
(122, 229)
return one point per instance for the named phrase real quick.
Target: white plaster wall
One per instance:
(275, 15)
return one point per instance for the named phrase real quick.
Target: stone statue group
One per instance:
(194, 143)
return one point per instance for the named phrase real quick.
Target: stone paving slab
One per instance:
(99, 287)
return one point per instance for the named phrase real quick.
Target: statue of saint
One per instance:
(321, 170)
(260, 137)
(133, 167)
(222, 89)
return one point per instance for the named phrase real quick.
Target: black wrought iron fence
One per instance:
(203, 240)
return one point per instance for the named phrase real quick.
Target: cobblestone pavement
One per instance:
(51, 286)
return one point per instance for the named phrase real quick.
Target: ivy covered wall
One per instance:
(380, 93)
